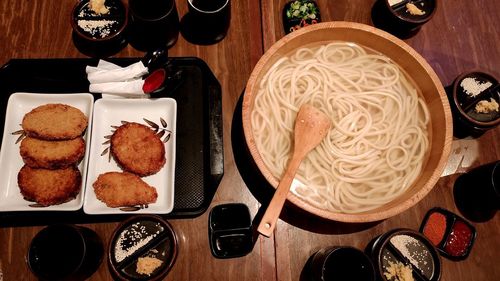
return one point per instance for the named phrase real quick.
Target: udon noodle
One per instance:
(378, 142)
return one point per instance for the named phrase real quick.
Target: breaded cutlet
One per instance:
(122, 189)
(38, 153)
(54, 121)
(49, 187)
(137, 149)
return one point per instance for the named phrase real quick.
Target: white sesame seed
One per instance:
(473, 87)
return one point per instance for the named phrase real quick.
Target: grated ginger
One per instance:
(398, 272)
(98, 7)
(414, 10)
(485, 106)
(147, 265)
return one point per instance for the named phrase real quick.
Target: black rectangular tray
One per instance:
(199, 153)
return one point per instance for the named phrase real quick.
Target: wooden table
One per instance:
(463, 35)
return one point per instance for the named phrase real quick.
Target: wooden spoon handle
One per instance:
(268, 222)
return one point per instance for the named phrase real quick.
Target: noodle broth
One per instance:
(381, 136)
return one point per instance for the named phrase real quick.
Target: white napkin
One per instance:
(109, 72)
(126, 89)
(114, 81)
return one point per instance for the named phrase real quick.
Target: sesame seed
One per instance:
(412, 249)
(97, 28)
(473, 87)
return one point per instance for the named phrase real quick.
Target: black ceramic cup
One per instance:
(153, 24)
(99, 35)
(341, 263)
(65, 252)
(207, 22)
(477, 192)
(487, 183)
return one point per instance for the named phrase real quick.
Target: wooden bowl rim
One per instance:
(344, 217)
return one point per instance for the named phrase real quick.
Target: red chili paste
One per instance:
(435, 228)
(459, 239)
(154, 81)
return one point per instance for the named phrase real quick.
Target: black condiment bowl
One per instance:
(403, 17)
(382, 251)
(230, 230)
(96, 46)
(461, 106)
(163, 245)
(291, 24)
(451, 219)
(397, 20)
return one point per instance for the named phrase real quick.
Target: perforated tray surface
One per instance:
(199, 156)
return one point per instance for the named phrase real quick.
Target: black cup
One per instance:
(65, 252)
(477, 192)
(207, 22)
(341, 263)
(153, 24)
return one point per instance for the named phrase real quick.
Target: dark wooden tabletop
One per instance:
(462, 35)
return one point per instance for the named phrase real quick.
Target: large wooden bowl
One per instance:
(414, 65)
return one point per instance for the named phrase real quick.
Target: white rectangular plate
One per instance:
(10, 160)
(111, 112)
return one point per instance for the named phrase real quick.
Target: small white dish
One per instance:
(111, 112)
(10, 160)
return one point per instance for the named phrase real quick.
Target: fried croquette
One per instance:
(137, 149)
(54, 122)
(122, 189)
(49, 187)
(52, 154)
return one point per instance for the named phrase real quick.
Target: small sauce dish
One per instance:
(452, 235)
(230, 230)
(300, 13)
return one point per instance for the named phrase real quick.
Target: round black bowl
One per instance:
(465, 121)
(96, 41)
(138, 237)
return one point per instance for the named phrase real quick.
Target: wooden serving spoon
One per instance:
(311, 127)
